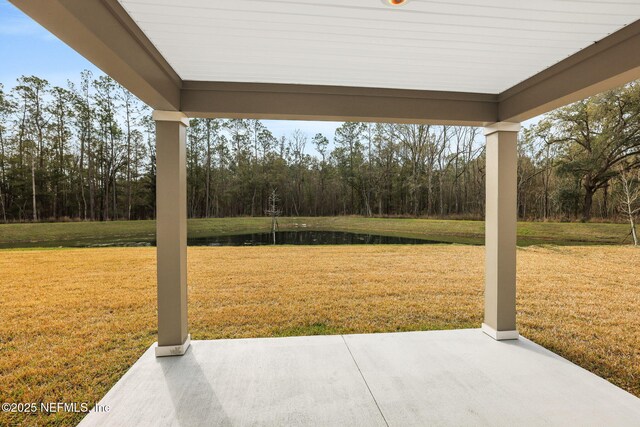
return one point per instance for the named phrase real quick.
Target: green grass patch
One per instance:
(140, 233)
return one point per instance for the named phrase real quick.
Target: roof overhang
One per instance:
(104, 33)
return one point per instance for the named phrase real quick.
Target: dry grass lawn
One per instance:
(73, 321)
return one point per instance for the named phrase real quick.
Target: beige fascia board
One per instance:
(103, 32)
(335, 103)
(609, 63)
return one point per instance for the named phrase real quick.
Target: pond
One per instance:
(298, 237)
(306, 237)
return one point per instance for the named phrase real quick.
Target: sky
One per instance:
(28, 49)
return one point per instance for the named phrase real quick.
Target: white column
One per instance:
(500, 231)
(171, 232)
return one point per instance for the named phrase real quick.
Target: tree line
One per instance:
(87, 151)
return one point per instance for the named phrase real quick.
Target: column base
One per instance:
(499, 335)
(173, 350)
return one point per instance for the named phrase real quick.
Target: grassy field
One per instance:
(74, 320)
(75, 234)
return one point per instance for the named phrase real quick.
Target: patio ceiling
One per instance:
(464, 62)
(424, 45)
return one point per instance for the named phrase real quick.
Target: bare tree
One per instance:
(630, 197)
(274, 212)
(32, 90)
(415, 142)
(6, 108)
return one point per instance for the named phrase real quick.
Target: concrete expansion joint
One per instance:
(365, 380)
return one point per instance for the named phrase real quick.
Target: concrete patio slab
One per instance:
(277, 381)
(462, 377)
(459, 377)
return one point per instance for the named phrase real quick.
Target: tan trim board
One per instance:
(172, 350)
(314, 102)
(501, 127)
(500, 335)
(611, 62)
(102, 32)
(170, 116)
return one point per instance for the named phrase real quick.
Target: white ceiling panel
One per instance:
(482, 46)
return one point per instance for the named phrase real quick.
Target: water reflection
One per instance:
(306, 237)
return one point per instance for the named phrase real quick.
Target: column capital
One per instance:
(501, 127)
(170, 116)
